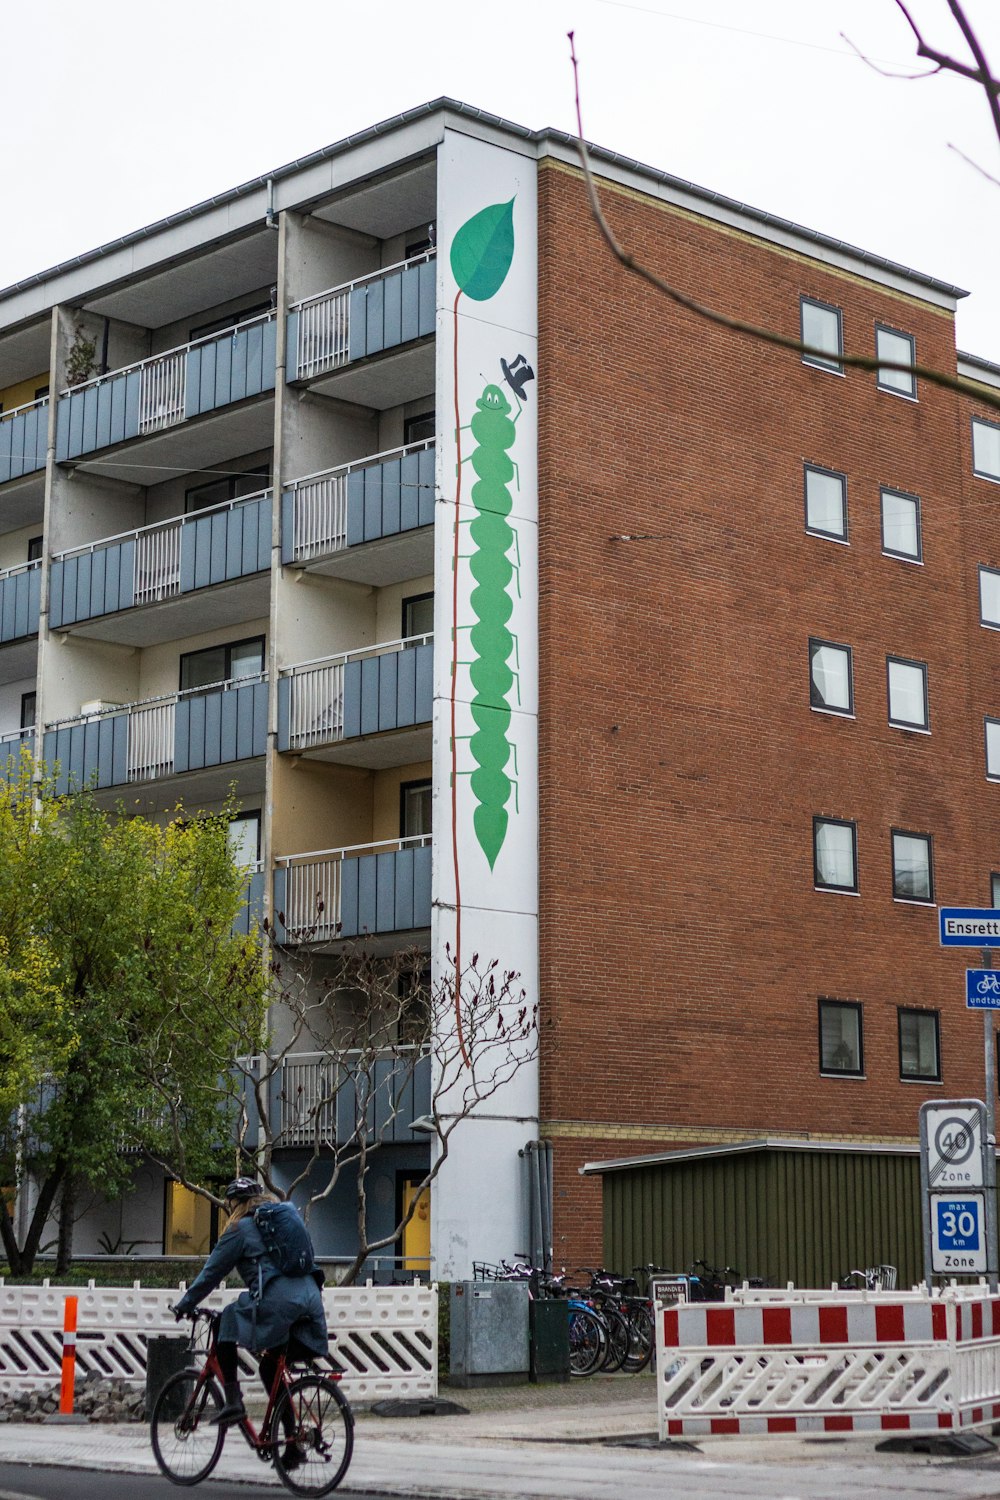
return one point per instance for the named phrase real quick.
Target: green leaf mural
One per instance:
(482, 251)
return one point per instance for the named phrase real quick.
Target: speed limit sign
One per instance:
(958, 1234)
(955, 1135)
(959, 1230)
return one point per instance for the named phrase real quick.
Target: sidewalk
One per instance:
(550, 1443)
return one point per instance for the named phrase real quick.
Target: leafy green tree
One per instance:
(121, 985)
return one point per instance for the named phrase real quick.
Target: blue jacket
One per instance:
(272, 1308)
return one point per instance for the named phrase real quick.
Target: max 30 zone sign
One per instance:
(953, 1180)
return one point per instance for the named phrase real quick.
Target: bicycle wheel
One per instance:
(641, 1340)
(186, 1443)
(587, 1338)
(617, 1348)
(312, 1421)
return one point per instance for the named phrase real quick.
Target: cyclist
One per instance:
(273, 1311)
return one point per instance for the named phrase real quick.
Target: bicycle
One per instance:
(307, 1431)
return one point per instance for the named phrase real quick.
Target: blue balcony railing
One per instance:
(161, 562)
(368, 889)
(19, 599)
(361, 502)
(319, 1099)
(142, 742)
(371, 691)
(167, 389)
(368, 316)
(11, 746)
(24, 437)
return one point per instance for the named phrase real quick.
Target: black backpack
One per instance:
(286, 1238)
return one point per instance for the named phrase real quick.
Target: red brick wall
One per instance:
(683, 946)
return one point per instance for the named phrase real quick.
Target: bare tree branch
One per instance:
(944, 62)
(974, 164)
(738, 325)
(887, 72)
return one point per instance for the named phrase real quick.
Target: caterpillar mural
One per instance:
(481, 255)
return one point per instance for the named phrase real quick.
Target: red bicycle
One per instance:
(307, 1431)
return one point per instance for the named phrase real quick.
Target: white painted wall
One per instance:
(10, 704)
(477, 1203)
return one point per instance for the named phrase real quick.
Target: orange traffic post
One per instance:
(68, 1358)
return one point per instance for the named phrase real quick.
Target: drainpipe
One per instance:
(269, 218)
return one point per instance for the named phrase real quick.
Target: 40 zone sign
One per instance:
(953, 1177)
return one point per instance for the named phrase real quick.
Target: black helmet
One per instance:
(241, 1188)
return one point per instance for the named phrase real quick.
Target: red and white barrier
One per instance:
(849, 1362)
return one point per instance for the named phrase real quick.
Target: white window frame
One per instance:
(987, 474)
(918, 726)
(928, 843)
(833, 363)
(843, 537)
(914, 500)
(815, 643)
(891, 380)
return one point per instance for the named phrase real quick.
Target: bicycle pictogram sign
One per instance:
(982, 989)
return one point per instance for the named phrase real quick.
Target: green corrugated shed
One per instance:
(800, 1211)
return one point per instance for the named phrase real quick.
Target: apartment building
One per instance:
(535, 617)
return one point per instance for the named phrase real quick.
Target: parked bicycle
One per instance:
(307, 1431)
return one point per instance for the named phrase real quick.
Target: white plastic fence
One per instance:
(384, 1336)
(829, 1362)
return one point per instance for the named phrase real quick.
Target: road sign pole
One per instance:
(991, 1136)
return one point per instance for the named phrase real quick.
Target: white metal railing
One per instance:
(162, 389)
(313, 884)
(319, 504)
(309, 1085)
(27, 567)
(324, 331)
(18, 411)
(316, 701)
(151, 741)
(163, 378)
(157, 564)
(316, 709)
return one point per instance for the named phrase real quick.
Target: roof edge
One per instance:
(734, 1148)
(445, 104)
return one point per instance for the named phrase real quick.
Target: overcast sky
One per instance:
(117, 113)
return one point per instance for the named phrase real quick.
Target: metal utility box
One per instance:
(489, 1332)
(164, 1357)
(549, 1327)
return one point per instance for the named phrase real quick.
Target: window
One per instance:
(985, 449)
(243, 838)
(229, 320)
(41, 391)
(822, 329)
(993, 749)
(907, 685)
(898, 349)
(919, 1044)
(989, 597)
(218, 664)
(901, 525)
(840, 1045)
(912, 869)
(415, 809)
(229, 487)
(29, 705)
(995, 891)
(418, 429)
(35, 548)
(835, 850)
(826, 502)
(418, 615)
(190, 1222)
(831, 684)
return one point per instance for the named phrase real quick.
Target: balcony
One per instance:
(342, 893)
(10, 752)
(329, 709)
(386, 311)
(322, 1100)
(24, 439)
(160, 737)
(360, 521)
(254, 909)
(147, 399)
(19, 598)
(146, 569)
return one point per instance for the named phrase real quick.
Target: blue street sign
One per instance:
(958, 1233)
(982, 989)
(969, 927)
